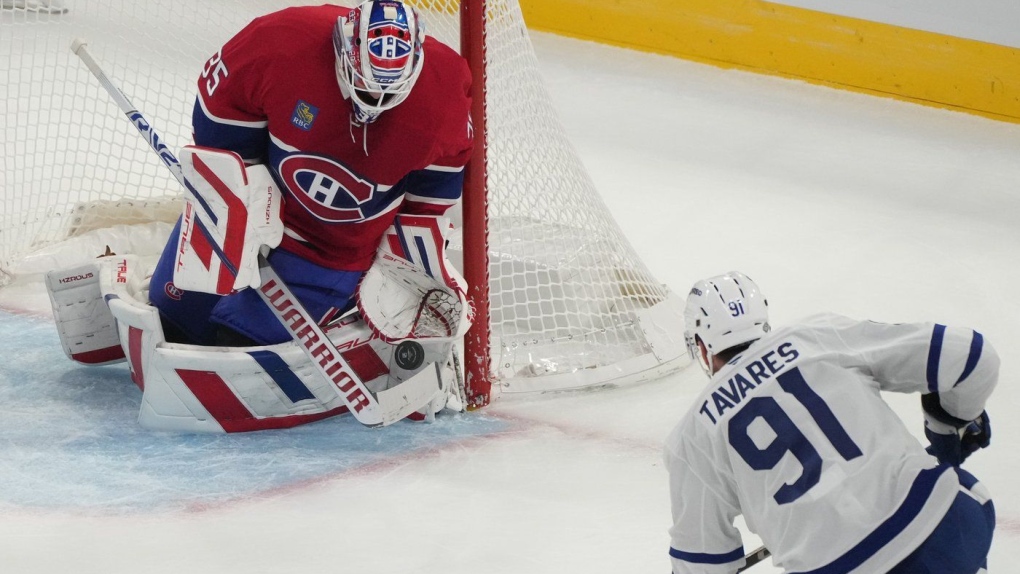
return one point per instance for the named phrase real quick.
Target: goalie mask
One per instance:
(378, 47)
(724, 312)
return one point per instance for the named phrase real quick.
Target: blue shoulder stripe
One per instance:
(976, 344)
(248, 142)
(705, 558)
(934, 354)
(432, 184)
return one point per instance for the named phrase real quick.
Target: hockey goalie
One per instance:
(394, 355)
(307, 274)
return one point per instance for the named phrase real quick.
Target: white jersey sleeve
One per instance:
(704, 505)
(926, 358)
(794, 435)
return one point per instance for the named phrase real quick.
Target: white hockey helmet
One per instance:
(378, 47)
(724, 312)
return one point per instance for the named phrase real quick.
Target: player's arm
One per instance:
(433, 190)
(439, 186)
(411, 290)
(703, 539)
(961, 371)
(228, 113)
(957, 363)
(955, 369)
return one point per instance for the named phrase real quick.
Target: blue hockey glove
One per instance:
(951, 444)
(977, 435)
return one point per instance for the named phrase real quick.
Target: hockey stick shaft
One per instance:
(137, 119)
(362, 403)
(369, 408)
(755, 557)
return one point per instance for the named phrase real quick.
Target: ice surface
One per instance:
(71, 441)
(832, 201)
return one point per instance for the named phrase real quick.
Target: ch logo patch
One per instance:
(304, 115)
(389, 49)
(332, 192)
(172, 291)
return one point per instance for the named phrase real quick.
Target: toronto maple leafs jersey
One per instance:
(271, 95)
(794, 435)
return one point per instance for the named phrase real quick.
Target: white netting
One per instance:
(569, 298)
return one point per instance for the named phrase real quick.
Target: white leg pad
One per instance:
(189, 388)
(88, 332)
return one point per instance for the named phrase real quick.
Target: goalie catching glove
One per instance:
(229, 213)
(411, 291)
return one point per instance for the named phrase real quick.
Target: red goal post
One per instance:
(478, 379)
(561, 298)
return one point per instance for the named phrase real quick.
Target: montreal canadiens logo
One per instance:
(389, 49)
(172, 291)
(330, 191)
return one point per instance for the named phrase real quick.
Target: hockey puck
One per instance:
(410, 355)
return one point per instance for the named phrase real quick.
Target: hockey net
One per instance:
(569, 303)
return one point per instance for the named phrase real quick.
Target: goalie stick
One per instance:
(369, 408)
(755, 557)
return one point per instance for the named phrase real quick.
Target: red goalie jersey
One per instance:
(271, 95)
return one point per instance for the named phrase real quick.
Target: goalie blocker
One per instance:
(230, 212)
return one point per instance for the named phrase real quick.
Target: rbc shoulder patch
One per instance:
(304, 115)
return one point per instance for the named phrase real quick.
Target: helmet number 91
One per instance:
(736, 308)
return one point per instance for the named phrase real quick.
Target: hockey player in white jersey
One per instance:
(793, 434)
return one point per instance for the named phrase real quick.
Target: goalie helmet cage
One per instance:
(561, 299)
